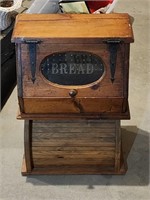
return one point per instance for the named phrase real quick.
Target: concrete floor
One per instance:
(132, 186)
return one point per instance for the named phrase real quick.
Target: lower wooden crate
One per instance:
(73, 147)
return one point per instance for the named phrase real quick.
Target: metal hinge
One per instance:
(32, 53)
(113, 48)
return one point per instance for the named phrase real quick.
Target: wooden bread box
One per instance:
(72, 77)
(73, 64)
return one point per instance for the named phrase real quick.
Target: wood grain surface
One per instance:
(66, 33)
(82, 146)
(63, 27)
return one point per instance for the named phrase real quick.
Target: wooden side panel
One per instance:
(19, 70)
(118, 146)
(126, 59)
(28, 144)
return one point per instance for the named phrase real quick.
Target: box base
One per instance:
(73, 147)
(67, 170)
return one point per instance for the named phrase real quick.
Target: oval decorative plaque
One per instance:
(72, 68)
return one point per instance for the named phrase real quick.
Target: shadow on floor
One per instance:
(136, 149)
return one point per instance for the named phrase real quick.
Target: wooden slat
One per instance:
(72, 149)
(77, 122)
(74, 161)
(72, 134)
(64, 124)
(73, 130)
(73, 142)
(73, 154)
(75, 127)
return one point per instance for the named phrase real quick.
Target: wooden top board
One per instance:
(65, 28)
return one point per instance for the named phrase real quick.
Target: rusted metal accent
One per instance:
(32, 53)
(113, 48)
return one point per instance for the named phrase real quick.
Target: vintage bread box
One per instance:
(72, 74)
(73, 65)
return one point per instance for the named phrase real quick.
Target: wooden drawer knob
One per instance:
(73, 93)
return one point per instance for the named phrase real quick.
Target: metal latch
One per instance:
(32, 53)
(113, 48)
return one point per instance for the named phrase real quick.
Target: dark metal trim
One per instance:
(113, 48)
(32, 53)
(19, 70)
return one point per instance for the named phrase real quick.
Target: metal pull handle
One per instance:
(73, 93)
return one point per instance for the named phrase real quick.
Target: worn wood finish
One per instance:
(28, 144)
(102, 88)
(118, 146)
(19, 71)
(75, 147)
(84, 28)
(75, 116)
(91, 142)
(91, 34)
(101, 97)
(69, 105)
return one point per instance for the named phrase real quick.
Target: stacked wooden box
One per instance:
(73, 67)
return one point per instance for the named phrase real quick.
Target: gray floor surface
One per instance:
(132, 186)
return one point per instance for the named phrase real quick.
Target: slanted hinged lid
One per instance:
(72, 28)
